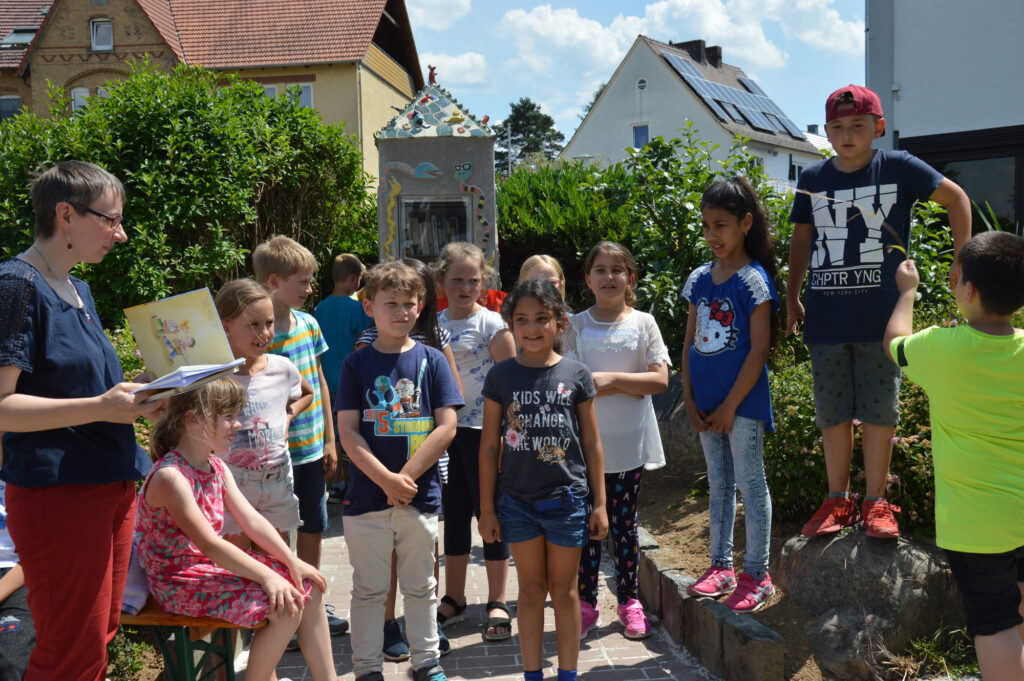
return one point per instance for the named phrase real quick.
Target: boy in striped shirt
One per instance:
(287, 269)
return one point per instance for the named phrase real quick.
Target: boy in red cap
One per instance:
(848, 211)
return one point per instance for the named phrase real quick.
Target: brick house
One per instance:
(352, 60)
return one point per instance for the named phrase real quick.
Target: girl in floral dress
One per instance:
(191, 569)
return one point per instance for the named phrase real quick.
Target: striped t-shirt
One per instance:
(302, 346)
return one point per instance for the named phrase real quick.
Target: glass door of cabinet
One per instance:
(428, 224)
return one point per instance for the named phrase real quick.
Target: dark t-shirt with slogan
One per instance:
(856, 219)
(541, 450)
(396, 395)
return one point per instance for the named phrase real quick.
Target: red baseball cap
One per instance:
(855, 100)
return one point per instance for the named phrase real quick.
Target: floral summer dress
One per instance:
(182, 579)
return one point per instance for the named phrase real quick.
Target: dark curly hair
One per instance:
(549, 298)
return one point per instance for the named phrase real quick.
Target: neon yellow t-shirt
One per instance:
(975, 387)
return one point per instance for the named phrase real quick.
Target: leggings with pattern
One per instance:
(621, 489)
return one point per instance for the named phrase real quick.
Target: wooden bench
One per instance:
(179, 637)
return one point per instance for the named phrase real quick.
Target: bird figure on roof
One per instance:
(484, 121)
(432, 78)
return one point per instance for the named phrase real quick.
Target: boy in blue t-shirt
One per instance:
(973, 374)
(396, 416)
(851, 220)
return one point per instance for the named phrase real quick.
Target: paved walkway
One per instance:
(605, 655)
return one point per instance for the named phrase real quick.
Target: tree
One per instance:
(533, 131)
(593, 100)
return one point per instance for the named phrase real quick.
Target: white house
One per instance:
(659, 86)
(948, 74)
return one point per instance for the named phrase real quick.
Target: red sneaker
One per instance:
(879, 521)
(832, 516)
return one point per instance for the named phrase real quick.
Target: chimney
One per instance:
(715, 56)
(696, 48)
(812, 128)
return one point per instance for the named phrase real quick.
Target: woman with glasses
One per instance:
(70, 458)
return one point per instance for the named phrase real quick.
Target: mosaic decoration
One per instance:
(390, 188)
(434, 112)
(463, 171)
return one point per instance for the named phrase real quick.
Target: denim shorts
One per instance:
(271, 493)
(311, 489)
(989, 588)
(854, 381)
(520, 521)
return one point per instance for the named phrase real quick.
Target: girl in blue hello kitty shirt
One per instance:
(729, 333)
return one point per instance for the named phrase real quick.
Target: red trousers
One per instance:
(73, 542)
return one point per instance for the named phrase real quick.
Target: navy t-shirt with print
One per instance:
(721, 341)
(541, 450)
(396, 395)
(61, 355)
(855, 219)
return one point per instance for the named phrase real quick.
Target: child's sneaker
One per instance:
(590, 618)
(833, 515)
(879, 521)
(431, 672)
(395, 647)
(750, 595)
(716, 581)
(634, 619)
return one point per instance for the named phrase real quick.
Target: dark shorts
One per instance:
(311, 490)
(520, 521)
(854, 381)
(989, 588)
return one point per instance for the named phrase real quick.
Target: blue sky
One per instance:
(491, 53)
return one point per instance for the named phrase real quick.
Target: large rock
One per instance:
(865, 594)
(683, 452)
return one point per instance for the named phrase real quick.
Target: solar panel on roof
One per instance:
(752, 105)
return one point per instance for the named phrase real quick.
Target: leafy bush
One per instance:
(211, 167)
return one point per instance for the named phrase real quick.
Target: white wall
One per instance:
(957, 65)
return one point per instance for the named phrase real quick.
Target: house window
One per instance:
(79, 97)
(9, 106)
(102, 92)
(305, 97)
(794, 170)
(733, 112)
(641, 136)
(102, 34)
(641, 84)
(270, 90)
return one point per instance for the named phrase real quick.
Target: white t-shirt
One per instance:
(471, 347)
(628, 426)
(262, 441)
(8, 558)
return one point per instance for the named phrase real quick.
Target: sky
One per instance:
(490, 53)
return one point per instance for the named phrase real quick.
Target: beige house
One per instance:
(352, 60)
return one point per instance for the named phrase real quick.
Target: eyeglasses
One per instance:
(113, 221)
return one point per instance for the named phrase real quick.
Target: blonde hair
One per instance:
(394, 276)
(207, 402)
(620, 253)
(463, 250)
(345, 266)
(236, 295)
(542, 260)
(282, 256)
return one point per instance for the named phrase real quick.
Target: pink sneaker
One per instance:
(716, 581)
(633, 618)
(750, 596)
(590, 618)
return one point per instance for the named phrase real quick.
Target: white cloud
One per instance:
(438, 15)
(468, 68)
(545, 37)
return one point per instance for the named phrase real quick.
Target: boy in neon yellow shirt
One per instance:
(974, 377)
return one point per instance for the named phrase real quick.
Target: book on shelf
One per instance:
(182, 340)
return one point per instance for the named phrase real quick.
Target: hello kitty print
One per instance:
(716, 327)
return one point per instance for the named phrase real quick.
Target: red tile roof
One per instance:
(240, 33)
(19, 13)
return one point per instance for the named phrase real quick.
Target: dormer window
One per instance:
(102, 31)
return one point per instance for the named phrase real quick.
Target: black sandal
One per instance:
(494, 622)
(458, 612)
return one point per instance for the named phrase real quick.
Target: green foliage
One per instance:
(948, 651)
(211, 167)
(127, 351)
(125, 656)
(931, 249)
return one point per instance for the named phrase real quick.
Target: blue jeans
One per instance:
(737, 460)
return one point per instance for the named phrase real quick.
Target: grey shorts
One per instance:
(271, 492)
(854, 381)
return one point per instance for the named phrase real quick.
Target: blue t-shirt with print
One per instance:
(396, 395)
(855, 219)
(721, 340)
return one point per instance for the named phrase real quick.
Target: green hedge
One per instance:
(211, 166)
